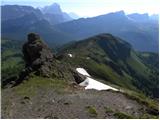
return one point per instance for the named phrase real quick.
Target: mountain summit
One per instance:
(53, 9)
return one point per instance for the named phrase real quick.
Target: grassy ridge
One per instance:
(115, 61)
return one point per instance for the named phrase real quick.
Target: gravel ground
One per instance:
(51, 104)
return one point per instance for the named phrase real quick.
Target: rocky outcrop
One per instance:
(40, 60)
(37, 55)
(78, 77)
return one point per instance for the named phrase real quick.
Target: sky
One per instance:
(90, 8)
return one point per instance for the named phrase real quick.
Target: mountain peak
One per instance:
(117, 13)
(120, 12)
(112, 46)
(139, 17)
(55, 5)
(52, 9)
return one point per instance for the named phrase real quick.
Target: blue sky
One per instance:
(95, 7)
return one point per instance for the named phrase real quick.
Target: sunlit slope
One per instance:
(115, 61)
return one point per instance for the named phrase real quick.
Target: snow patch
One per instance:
(70, 55)
(90, 83)
(87, 58)
(82, 71)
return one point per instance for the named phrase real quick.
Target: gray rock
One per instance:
(37, 55)
(78, 77)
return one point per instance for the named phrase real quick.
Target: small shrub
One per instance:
(108, 110)
(121, 115)
(92, 111)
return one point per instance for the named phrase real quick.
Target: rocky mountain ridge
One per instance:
(51, 89)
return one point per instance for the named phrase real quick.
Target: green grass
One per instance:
(148, 116)
(7, 53)
(137, 64)
(130, 73)
(11, 67)
(30, 87)
(142, 99)
(12, 62)
(108, 110)
(121, 115)
(92, 111)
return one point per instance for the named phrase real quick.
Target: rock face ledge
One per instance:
(37, 55)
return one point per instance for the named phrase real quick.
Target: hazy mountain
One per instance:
(18, 28)
(143, 36)
(74, 15)
(15, 11)
(52, 9)
(55, 15)
(17, 21)
(115, 61)
(139, 17)
(154, 17)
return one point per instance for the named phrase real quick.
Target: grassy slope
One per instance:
(127, 71)
(12, 62)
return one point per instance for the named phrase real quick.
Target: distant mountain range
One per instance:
(53, 13)
(17, 21)
(138, 29)
(57, 27)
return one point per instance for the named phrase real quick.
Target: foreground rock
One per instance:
(39, 60)
(79, 78)
(37, 55)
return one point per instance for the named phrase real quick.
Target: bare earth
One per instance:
(51, 104)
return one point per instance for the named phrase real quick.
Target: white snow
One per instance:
(70, 55)
(90, 83)
(88, 58)
(82, 71)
